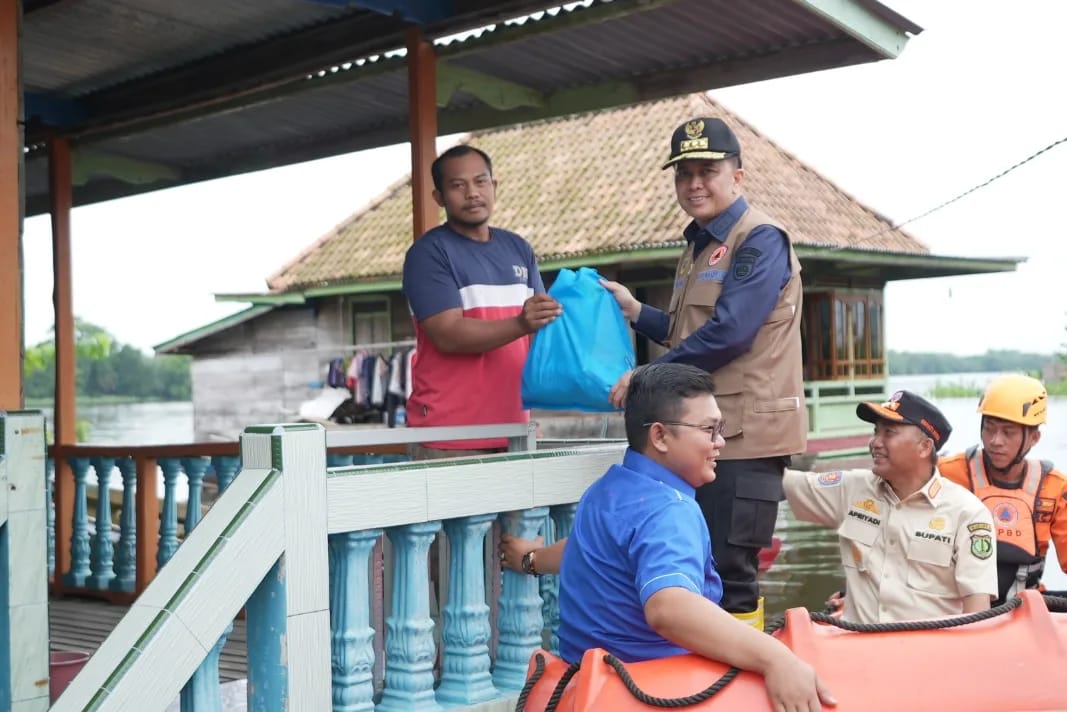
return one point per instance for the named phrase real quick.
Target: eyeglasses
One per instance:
(713, 429)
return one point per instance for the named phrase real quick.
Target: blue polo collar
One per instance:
(637, 462)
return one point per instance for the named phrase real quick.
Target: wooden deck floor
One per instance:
(82, 624)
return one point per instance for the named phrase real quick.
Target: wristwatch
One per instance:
(529, 563)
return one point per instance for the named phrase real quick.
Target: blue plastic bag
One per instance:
(575, 360)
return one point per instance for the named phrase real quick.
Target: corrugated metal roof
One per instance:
(591, 184)
(199, 90)
(82, 47)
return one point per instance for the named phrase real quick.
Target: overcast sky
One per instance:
(980, 89)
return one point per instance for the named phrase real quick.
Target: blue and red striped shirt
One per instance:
(487, 280)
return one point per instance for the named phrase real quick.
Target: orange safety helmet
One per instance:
(1017, 399)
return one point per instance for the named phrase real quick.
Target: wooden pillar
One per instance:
(422, 102)
(61, 198)
(59, 180)
(10, 219)
(147, 522)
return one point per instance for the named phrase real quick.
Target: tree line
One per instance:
(107, 368)
(909, 363)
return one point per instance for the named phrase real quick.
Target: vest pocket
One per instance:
(777, 405)
(733, 409)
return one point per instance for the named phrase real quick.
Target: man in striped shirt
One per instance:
(476, 296)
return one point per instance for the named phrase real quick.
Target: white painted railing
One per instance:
(292, 542)
(23, 563)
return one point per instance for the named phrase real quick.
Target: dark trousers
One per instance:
(741, 509)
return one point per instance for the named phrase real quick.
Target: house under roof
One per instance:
(584, 190)
(587, 189)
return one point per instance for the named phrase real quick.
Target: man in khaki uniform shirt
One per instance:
(913, 544)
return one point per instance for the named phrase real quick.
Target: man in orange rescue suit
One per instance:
(1028, 498)
(913, 544)
(735, 313)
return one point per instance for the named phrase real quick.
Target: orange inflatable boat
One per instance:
(1011, 658)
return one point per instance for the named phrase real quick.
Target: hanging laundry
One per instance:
(352, 376)
(378, 382)
(335, 373)
(396, 375)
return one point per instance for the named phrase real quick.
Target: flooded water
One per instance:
(136, 423)
(807, 569)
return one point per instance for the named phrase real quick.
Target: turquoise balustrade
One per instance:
(466, 678)
(168, 516)
(409, 643)
(126, 551)
(79, 539)
(100, 564)
(350, 620)
(548, 586)
(195, 469)
(101, 559)
(520, 619)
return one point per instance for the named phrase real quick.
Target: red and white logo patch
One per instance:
(717, 255)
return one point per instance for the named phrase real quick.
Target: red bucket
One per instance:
(63, 665)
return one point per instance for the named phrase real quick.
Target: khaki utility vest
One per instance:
(761, 392)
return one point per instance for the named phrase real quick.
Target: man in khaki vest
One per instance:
(735, 313)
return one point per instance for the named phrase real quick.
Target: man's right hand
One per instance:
(793, 686)
(538, 311)
(631, 308)
(835, 604)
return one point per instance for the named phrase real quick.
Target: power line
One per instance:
(962, 195)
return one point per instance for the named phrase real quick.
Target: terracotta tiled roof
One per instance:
(591, 183)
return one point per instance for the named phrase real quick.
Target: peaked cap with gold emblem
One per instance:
(703, 138)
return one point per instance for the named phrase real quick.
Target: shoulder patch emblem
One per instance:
(981, 546)
(745, 262)
(979, 527)
(829, 479)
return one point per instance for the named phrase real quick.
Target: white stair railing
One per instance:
(23, 563)
(272, 519)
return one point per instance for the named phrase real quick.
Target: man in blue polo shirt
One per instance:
(637, 577)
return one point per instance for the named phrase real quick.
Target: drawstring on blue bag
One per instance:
(575, 360)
